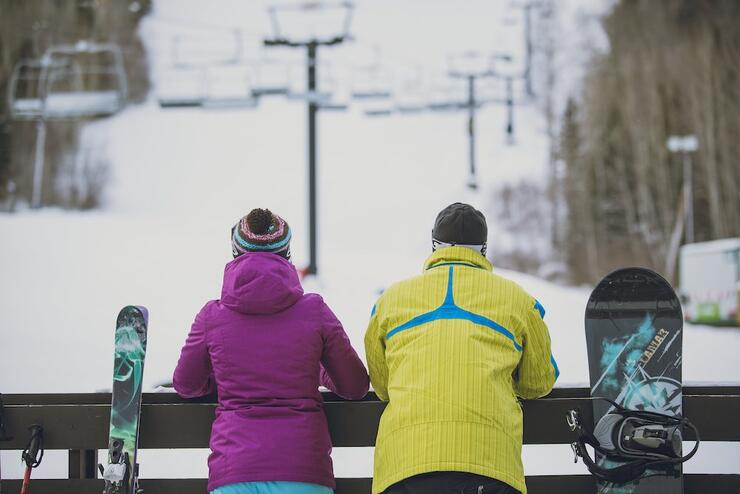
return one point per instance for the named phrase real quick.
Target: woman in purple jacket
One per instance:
(265, 347)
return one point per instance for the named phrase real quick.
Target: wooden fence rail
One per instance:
(79, 424)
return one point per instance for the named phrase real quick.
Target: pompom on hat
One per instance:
(261, 231)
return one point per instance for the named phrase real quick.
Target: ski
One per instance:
(122, 471)
(634, 342)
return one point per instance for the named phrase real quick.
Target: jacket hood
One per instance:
(260, 283)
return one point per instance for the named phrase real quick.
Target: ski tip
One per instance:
(133, 311)
(144, 312)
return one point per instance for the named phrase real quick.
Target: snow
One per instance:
(182, 177)
(27, 107)
(70, 104)
(73, 104)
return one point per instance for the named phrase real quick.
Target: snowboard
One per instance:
(121, 472)
(633, 337)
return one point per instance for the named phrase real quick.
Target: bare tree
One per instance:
(672, 68)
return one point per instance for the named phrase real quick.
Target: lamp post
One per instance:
(686, 144)
(311, 43)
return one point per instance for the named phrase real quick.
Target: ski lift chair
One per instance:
(378, 112)
(271, 78)
(410, 99)
(410, 105)
(318, 96)
(310, 21)
(369, 83)
(228, 87)
(491, 90)
(92, 83)
(500, 89)
(338, 99)
(447, 97)
(182, 88)
(375, 97)
(378, 108)
(26, 87)
(371, 91)
(298, 90)
(334, 105)
(372, 88)
(470, 63)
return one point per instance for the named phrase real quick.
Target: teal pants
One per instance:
(273, 488)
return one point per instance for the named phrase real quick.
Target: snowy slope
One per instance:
(182, 179)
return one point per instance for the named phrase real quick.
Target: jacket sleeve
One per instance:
(537, 370)
(193, 375)
(342, 371)
(375, 354)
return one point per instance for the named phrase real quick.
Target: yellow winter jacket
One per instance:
(450, 350)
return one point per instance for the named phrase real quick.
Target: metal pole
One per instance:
(472, 182)
(688, 197)
(312, 110)
(38, 167)
(528, 42)
(509, 110)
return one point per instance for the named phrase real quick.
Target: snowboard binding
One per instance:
(633, 439)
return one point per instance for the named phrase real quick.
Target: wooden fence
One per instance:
(79, 424)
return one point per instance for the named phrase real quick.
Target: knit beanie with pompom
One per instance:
(261, 231)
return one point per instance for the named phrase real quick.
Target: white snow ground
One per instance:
(181, 178)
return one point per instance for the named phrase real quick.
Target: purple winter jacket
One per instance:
(265, 346)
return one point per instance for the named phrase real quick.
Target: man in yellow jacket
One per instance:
(451, 350)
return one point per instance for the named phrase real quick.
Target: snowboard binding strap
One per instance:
(636, 439)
